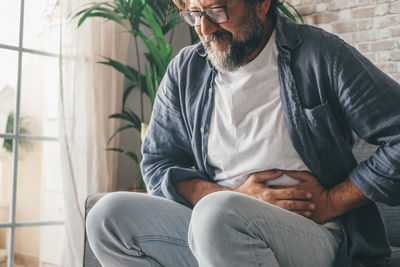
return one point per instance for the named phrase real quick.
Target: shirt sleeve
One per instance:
(370, 102)
(167, 155)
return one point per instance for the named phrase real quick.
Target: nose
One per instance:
(207, 27)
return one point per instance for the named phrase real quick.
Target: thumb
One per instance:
(263, 176)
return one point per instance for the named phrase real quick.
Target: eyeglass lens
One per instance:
(216, 15)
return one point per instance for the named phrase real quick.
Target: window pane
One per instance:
(9, 22)
(41, 25)
(39, 95)
(8, 85)
(5, 179)
(38, 246)
(4, 246)
(39, 188)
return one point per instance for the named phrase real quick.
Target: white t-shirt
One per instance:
(248, 133)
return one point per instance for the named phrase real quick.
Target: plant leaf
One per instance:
(127, 91)
(124, 69)
(121, 116)
(149, 83)
(297, 12)
(128, 153)
(157, 81)
(135, 10)
(154, 51)
(102, 15)
(120, 130)
(128, 116)
(121, 7)
(135, 120)
(155, 28)
(97, 10)
(153, 23)
(170, 24)
(287, 12)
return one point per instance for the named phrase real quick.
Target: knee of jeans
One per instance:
(99, 221)
(215, 212)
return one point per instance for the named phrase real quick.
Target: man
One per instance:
(252, 129)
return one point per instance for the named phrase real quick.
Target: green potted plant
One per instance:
(148, 21)
(8, 143)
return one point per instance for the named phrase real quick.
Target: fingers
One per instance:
(301, 175)
(291, 199)
(296, 206)
(291, 193)
(263, 176)
(274, 195)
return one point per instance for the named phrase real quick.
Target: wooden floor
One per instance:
(20, 260)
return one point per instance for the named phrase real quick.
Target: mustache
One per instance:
(218, 35)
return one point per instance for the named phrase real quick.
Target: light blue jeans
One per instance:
(224, 229)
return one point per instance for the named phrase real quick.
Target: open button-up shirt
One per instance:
(328, 91)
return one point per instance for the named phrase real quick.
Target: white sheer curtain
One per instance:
(90, 92)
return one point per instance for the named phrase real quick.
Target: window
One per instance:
(31, 198)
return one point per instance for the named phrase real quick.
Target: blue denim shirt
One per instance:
(328, 91)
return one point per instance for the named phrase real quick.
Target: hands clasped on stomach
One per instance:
(305, 196)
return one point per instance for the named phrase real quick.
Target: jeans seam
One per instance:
(252, 225)
(149, 262)
(257, 262)
(289, 228)
(256, 219)
(157, 238)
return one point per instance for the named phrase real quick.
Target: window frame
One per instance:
(16, 137)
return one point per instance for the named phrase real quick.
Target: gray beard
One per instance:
(223, 60)
(233, 57)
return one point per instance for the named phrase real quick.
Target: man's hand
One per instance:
(292, 199)
(331, 203)
(324, 209)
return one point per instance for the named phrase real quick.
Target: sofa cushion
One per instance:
(395, 259)
(390, 215)
(391, 219)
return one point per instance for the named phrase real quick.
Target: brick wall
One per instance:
(371, 26)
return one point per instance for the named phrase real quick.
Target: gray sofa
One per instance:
(391, 216)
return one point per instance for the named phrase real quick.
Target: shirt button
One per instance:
(202, 129)
(210, 90)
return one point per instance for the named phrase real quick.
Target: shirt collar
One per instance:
(287, 32)
(200, 50)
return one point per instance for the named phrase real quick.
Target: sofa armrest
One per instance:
(89, 259)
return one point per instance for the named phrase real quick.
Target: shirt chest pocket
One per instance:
(333, 152)
(323, 128)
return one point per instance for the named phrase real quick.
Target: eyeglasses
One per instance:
(216, 15)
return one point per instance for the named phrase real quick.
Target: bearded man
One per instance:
(248, 153)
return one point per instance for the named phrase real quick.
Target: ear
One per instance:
(263, 7)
